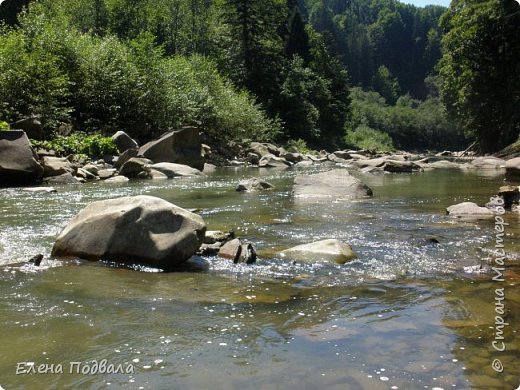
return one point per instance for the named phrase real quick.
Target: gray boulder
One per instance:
(271, 161)
(333, 251)
(513, 167)
(31, 125)
(124, 157)
(18, 162)
(238, 252)
(176, 170)
(65, 178)
(55, 166)
(335, 184)
(140, 229)
(486, 163)
(117, 180)
(444, 164)
(124, 142)
(469, 210)
(253, 184)
(398, 166)
(134, 166)
(182, 147)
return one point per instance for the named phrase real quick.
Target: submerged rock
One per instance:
(41, 190)
(140, 229)
(332, 250)
(253, 184)
(335, 184)
(469, 210)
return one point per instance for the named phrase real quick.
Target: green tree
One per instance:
(480, 69)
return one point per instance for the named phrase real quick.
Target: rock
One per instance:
(176, 170)
(332, 250)
(444, 164)
(91, 168)
(469, 210)
(65, 178)
(487, 163)
(400, 166)
(253, 184)
(55, 166)
(446, 153)
(253, 158)
(118, 180)
(152, 174)
(208, 168)
(510, 194)
(238, 252)
(210, 249)
(84, 174)
(335, 184)
(259, 149)
(342, 154)
(134, 166)
(31, 125)
(36, 260)
(182, 147)
(271, 161)
(292, 157)
(106, 173)
(124, 157)
(18, 165)
(213, 236)
(124, 142)
(139, 229)
(513, 167)
(304, 163)
(44, 190)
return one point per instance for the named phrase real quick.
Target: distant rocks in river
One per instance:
(18, 161)
(140, 229)
(335, 184)
(331, 250)
(238, 252)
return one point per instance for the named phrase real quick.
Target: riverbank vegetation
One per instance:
(330, 73)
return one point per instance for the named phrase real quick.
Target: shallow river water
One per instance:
(402, 316)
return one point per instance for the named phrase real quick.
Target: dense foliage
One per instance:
(277, 70)
(481, 69)
(90, 145)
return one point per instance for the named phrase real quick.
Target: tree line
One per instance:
(330, 72)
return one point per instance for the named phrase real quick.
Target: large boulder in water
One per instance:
(140, 229)
(182, 147)
(333, 251)
(18, 163)
(335, 184)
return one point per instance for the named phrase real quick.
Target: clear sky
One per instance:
(422, 3)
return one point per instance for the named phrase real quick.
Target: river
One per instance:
(402, 316)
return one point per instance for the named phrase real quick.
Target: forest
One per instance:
(376, 74)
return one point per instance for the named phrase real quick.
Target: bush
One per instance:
(93, 145)
(300, 145)
(4, 125)
(365, 137)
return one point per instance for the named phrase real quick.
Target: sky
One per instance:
(422, 3)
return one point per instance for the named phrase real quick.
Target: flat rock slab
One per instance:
(335, 184)
(172, 170)
(333, 251)
(470, 210)
(139, 229)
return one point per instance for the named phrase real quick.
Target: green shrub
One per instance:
(364, 137)
(93, 145)
(300, 145)
(4, 125)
